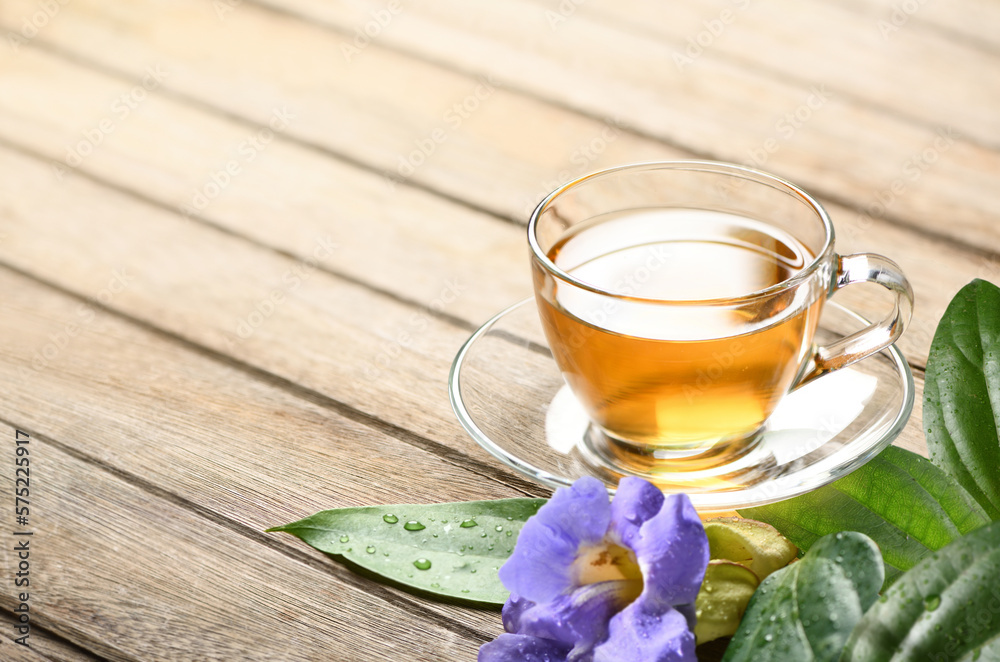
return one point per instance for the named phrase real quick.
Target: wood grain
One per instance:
(177, 281)
(136, 577)
(970, 21)
(376, 108)
(16, 653)
(44, 645)
(884, 65)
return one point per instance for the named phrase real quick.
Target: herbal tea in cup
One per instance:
(680, 301)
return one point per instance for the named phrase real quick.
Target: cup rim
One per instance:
(742, 172)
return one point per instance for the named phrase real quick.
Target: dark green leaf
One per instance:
(962, 393)
(904, 503)
(946, 608)
(806, 611)
(456, 553)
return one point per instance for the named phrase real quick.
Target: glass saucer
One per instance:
(509, 395)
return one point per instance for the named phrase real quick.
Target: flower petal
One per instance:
(578, 620)
(512, 610)
(672, 550)
(638, 635)
(636, 501)
(522, 648)
(540, 569)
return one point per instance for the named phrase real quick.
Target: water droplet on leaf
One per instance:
(370, 549)
(422, 564)
(468, 524)
(390, 519)
(414, 525)
(345, 538)
(932, 602)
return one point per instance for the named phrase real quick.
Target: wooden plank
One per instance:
(379, 107)
(16, 653)
(973, 21)
(405, 242)
(395, 237)
(917, 74)
(44, 645)
(253, 304)
(195, 590)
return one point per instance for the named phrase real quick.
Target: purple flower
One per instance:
(593, 581)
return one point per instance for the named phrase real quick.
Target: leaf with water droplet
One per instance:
(956, 607)
(932, 602)
(450, 548)
(803, 629)
(962, 393)
(724, 595)
(756, 545)
(904, 503)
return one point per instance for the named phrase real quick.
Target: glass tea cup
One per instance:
(680, 301)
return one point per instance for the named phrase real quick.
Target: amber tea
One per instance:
(681, 301)
(684, 374)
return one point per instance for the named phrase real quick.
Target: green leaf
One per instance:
(946, 608)
(962, 393)
(806, 612)
(448, 549)
(725, 593)
(904, 503)
(756, 545)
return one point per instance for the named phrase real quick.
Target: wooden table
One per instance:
(242, 240)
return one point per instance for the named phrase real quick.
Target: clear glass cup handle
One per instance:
(864, 268)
